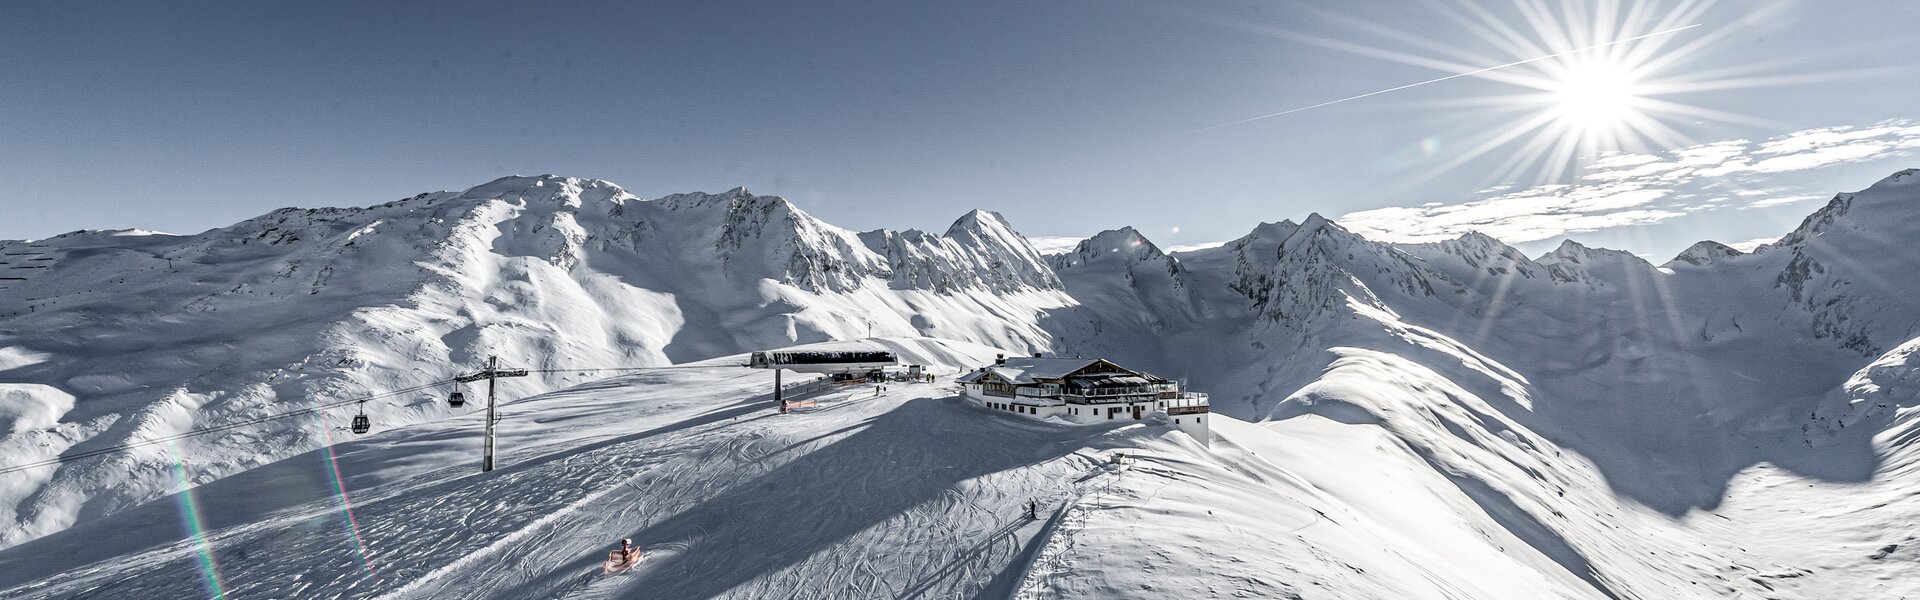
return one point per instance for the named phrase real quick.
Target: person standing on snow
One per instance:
(626, 550)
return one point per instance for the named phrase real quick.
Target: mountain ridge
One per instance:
(1669, 384)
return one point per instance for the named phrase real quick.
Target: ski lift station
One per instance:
(829, 362)
(1084, 390)
(839, 365)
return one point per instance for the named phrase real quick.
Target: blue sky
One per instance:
(1068, 117)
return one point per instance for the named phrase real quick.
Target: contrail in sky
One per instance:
(1440, 79)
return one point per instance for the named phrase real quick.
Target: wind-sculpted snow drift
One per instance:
(1452, 419)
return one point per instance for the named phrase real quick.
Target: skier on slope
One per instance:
(626, 550)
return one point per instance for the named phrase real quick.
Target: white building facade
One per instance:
(1084, 390)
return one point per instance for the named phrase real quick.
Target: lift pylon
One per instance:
(492, 372)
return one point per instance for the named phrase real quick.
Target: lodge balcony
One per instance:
(1184, 399)
(1186, 403)
(1120, 394)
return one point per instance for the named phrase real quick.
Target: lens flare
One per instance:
(346, 503)
(194, 528)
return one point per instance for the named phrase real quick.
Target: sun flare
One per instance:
(1595, 96)
(1586, 80)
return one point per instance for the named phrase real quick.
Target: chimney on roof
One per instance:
(1000, 359)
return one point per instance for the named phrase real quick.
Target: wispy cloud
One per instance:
(1193, 247)
(1784, 200)
(1055, 244)
(1638, 189)
(1750, 245)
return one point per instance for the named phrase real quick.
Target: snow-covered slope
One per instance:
(1449, 420)
(125, 338)
(910, 493)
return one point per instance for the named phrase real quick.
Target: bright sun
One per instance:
(1595, 95)
(1592, 78)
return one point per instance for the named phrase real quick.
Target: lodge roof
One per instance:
(1030, 370)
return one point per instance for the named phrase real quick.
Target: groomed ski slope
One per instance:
(907, 494)
(914, 493)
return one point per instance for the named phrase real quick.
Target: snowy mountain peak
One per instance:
(1474, 256)
(1703, 252)
(1123, 247)
(978, 222)
(1904, 177)
(1818, 222)
(980, 251)
(1263, 241)
(1314, 222)
(1475, 238)
(1123, 242)
(529, 190)
(1567, 250)
(1573, 262)
(1270, 231)
(1570, 251)
(1316, 227)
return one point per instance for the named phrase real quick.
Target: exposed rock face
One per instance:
(979, 251)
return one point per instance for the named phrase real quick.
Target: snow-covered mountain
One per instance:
(123, 338)
(1582, 424)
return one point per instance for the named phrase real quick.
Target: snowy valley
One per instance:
(1444, 420)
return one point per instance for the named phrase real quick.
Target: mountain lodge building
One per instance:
(1084, 390)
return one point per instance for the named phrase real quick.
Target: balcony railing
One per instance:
(1079, 399)
(1184, 399)
(1136, 390)
(1187, 403)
